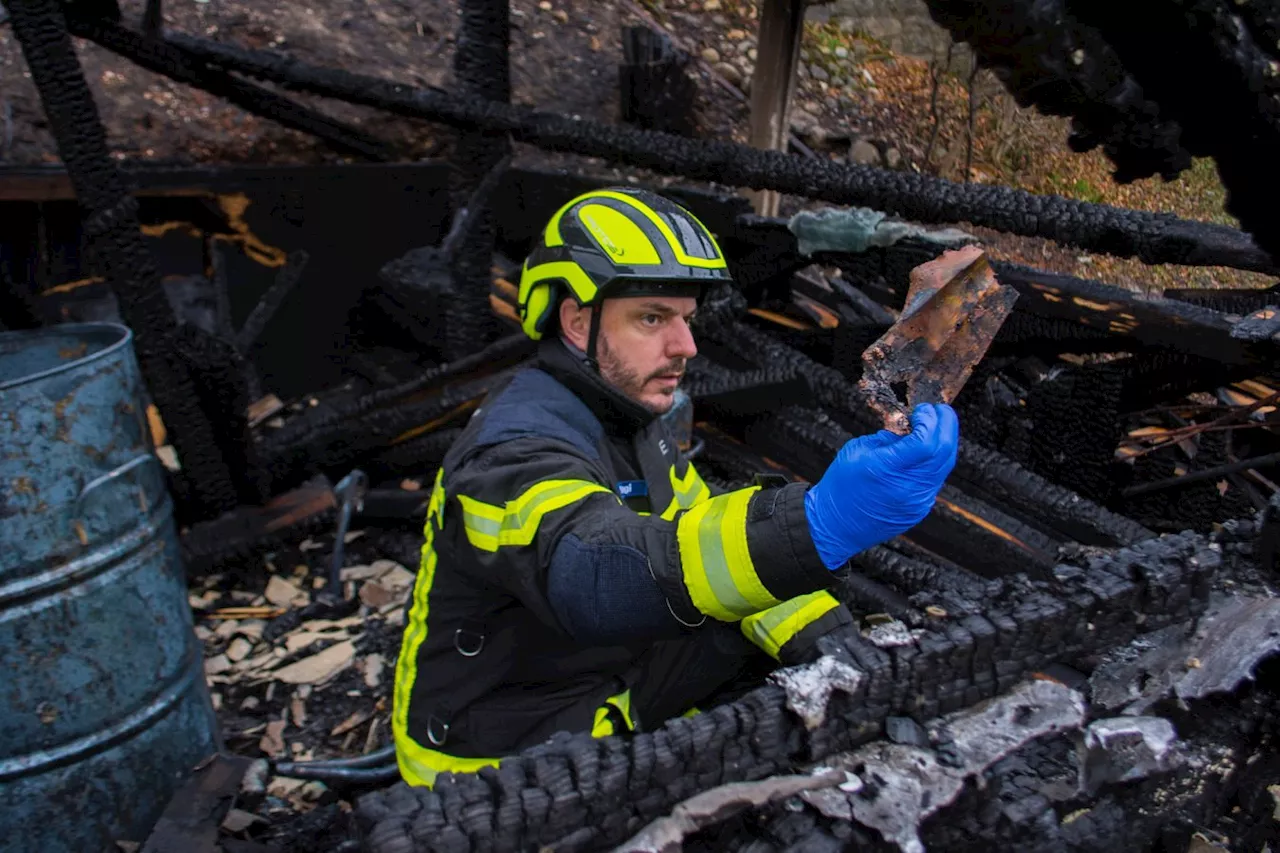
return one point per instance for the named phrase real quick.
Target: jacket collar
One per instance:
(619, 414)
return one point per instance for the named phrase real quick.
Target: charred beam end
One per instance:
(112, 234)
(178, 64)
(1153, 238)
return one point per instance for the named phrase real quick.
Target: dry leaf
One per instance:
(129, 846)
(280, 592)
(301, 639)
(216, 664)
(372, 667)
(283, 786)
(252, 628)
(272, 742)
(330, 624)
(203, 634)
(1223, 487)
(239, 649)
(375, 594)
(226, 629)
(319, 667)
(350, 723)
(298, 711)
(310, 545)
(410, 485)
(1188, 447)
(398, 579)
(1143, 432)
(352, 536)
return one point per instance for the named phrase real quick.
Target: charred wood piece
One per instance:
(1261, 325)
(1150, 237)
(246, 531)
(953, 309)
(1207, 69)
(655, 88)
(286, 279)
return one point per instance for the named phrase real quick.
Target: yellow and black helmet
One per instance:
(618, 241)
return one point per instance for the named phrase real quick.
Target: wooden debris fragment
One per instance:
(272, 742)
(320, 667)
(258, 612)
(375, 594)
(371, 667)
(281, 592)
(217, 664)
(239, 649)
(356, 719)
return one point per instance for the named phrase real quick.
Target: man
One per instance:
(577, 574)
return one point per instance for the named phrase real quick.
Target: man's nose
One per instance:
(680, 343)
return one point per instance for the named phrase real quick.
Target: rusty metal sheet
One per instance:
(954, 308)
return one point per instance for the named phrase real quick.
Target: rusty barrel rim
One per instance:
(65, 330)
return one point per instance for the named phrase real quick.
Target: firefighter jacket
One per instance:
(561, 491)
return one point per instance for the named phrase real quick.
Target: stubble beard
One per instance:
(629, 381)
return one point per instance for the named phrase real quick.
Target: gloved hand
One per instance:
(881, 485)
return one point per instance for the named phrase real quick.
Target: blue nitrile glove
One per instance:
(881, 485)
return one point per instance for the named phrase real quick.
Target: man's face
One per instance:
(644, 345)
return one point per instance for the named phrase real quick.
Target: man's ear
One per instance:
(575, 322)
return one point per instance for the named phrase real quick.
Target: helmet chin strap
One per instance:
(593, 337)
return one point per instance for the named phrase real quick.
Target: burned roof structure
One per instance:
(1075, 651)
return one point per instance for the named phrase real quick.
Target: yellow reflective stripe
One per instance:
(621, 237)
(420, 766)
(770, 630)
(603, 724)
(689, 490)
(583, 287)
(489, 527)
(716, 561)
(664, 229)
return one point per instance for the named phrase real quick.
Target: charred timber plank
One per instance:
(978, 537)
(1114, 311)
(1154, 238)
(1039, 503)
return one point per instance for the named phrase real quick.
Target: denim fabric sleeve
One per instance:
(605, 594)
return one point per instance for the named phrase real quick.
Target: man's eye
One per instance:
(651, 319)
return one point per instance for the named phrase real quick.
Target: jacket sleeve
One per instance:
(545, 528)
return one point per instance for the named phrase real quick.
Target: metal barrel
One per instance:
(104, 708)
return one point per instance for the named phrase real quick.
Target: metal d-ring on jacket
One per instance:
(566, 535)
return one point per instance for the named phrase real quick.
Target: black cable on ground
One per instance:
(114, 243)
(1151, 237)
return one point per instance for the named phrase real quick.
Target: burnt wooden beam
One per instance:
(1151, 237)
(772, 84)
